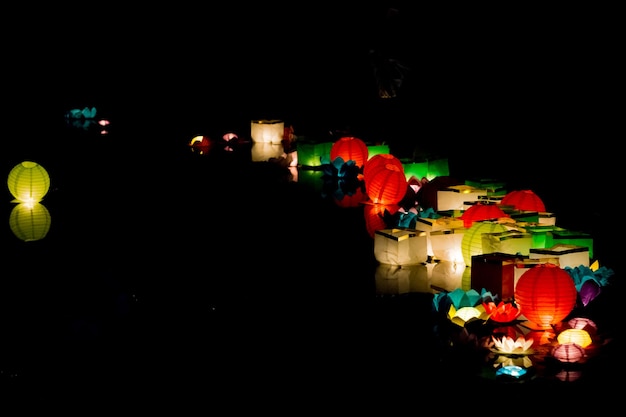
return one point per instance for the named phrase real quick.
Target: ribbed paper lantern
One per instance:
(523, 200)
(30, 222)
(480, 212)
(568, 352)
(379, 161)
(350, 148)
(28, 182)
(472, 243)
(546, 294)
(579, 336)
(386, 185)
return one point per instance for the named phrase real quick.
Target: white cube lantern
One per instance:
(267, 131)
(453, 197)
(400, 246)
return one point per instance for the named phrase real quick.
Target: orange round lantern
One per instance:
(350, 148)
(386, 185)
(545, 294)
(525, 200)
(378, 161)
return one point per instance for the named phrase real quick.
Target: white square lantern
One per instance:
(267, 131)
(400, 246)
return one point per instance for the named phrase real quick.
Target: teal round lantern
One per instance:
(28, 182)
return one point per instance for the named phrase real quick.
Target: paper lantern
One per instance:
(472, 243)
(568, 352)
(30, 222)
(28, 182)
(350, 148)
(579, 336)
(546, 294)
(583, 323)
(525, 200)
(386, 185)
(378, 161)
(267, 131)
(479, 212)
(201, 144)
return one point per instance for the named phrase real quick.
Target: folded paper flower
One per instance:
(503, 312)
(509, 346)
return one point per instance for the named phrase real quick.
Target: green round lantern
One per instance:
(30, 222)
(472, 243)
(28, 182)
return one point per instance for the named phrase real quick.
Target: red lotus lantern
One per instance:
(378, 161)
(350, 148)
(386, 185)
(503, 312)
(525, 200)
(479, 212)
(545, 294)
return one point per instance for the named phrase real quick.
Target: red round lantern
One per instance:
(545, 294)
(525, 200)
(378, 161)
(386, 185)
(350, 148)
(480, 212)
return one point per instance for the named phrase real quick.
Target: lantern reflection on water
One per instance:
(30, 222)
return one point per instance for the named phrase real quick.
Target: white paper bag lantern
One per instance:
(400, 246)
(267, 131)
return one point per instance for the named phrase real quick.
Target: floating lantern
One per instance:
(568, 352)
(200, 144)
(30, 222)
(28, 182)
(525, 200)
(386, 185)
(267, 131)
(583, 323)
(378, 161)
(350, 148)
(579, 336)
(263, 151)
(472, 243)
(480, 212)
(546, 294)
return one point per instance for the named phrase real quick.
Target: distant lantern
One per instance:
(546, 294)
(525, 200)
(30, 222)
(28, 182)
(379, 161)
(201, 144)
(386, 185)
(472, 242)
(579, 336)
(267, 131)
(350, 148)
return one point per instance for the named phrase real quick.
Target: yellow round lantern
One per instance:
(30, 222)
(579, 336)
(28, 182)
